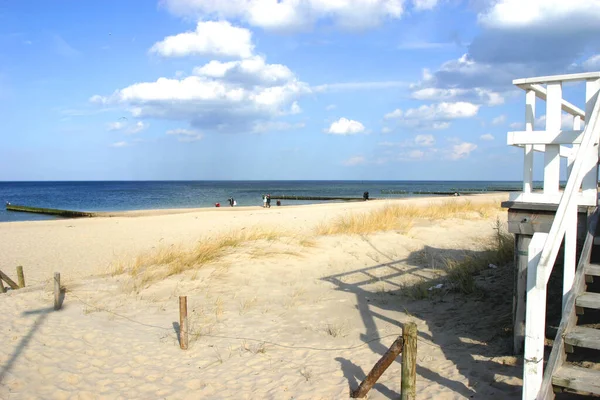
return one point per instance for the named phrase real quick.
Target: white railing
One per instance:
(580, 147)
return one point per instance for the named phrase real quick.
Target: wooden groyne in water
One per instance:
(49, 211)
(292, 197)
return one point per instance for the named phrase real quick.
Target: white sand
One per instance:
(277, 327)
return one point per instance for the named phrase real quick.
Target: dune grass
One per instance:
(459, 274)
(401, 217)
(165, 261)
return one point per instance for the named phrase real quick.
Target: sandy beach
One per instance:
(291, 315)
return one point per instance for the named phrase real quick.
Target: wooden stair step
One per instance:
(592, 269)
(577, 378)
(588, 300)
(581, 336)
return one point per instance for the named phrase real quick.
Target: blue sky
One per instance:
(260, 89)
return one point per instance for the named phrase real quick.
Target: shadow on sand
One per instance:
(473, 331)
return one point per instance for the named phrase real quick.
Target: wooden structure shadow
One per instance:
(373, 305)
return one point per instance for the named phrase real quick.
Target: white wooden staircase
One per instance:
(581, 149)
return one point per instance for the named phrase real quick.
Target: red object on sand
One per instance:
(217, 204)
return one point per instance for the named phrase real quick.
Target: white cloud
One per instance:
(592, 63)
(487, 137)
(115, 126)
(186, 135)
(211, 38)
(425, 4)
(424, 140)
(499, 120)
(352, 161)
(548, 33)
(295, 108)
(330, 107)
(434, 116)
(440, 111)
(345, 126)
(219, 96)
(138, 127)
(461, 150)
(119, 144)
(385, 129)
(249, 72)
(293, 15)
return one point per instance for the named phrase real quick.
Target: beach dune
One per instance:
(295, 316)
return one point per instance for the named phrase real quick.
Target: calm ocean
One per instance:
(123, 196)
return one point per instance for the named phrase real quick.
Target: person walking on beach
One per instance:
(264, 201)
(269, 200)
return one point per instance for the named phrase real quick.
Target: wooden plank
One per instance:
(557, 78)
(575, 148)
(553, 136)
(569, 320)
(592, 269)
(528, 149)
(8, 281)
(183, 323)
(517, 205)
(567, 107)
(576, 378)
(535, 317)
(570, 254)
(582, 336)
(520, 292)
(408, 388)
(590, 180)
(379, 368)
(579, 198)
(553, 123)
(57, 303)
(588, 300)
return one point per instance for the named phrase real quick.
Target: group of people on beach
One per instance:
(266, 201)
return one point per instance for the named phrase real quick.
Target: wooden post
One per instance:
(57, 291)
(20, 276)
(590, 180)
(384, 362)
(409, 362)
(528, 149)
(183, 323)
(535, 325)
(553, 124)
(570, 255)
(9, 281)
(520, 292)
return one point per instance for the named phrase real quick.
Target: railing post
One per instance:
(553, 123)
(590, 180)
(571, 159)
(528, 150)
(535, 321)
(570, 253)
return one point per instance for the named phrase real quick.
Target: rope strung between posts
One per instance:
(70, 293)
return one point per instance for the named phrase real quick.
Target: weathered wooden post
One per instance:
(409, 362)
(384, 362)
(57, 291)
(9, 281)
(20, 276)
(183, 323)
